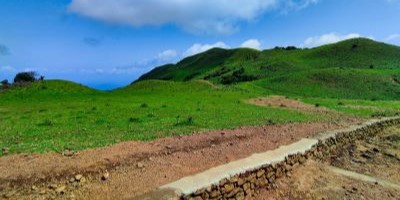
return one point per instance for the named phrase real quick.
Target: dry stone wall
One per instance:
(245, 184)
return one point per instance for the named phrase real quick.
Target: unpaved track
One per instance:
(165, 160)
(364, 169)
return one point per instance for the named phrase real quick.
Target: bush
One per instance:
(25, 77)
(4, 82)
(144, 105)
(237, 77)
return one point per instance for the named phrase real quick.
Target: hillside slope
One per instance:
(355, 68)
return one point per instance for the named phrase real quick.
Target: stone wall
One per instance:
(245, 184)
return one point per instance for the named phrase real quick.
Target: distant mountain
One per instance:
(355, 68)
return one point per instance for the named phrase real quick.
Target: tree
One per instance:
(25, 77)
(4, 82)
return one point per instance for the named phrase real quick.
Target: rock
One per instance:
(61, 189)
(5, 150)
(68, 153)
(71, 180)
(53, 186)
(78, 177)
(83, 180)
(34, 188)
(105, 176)
(228, 188)
(214, 194)
(140, 165)
(168, 147)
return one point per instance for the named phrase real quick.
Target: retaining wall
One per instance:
(242, 178)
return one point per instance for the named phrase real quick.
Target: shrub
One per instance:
(187, 122)
(25, 77)
(4, 82)
(340, 104)
(317, 105)
(134, 119)
(47, 122)
(144, 105)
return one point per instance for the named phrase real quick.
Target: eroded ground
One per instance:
(133, 168)
(362, 170)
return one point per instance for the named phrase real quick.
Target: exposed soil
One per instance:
(377, 158)
(133, 168)
(283, 102)
(317, 181)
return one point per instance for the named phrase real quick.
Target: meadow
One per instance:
(208, 91)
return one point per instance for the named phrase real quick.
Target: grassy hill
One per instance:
(356, 68)
(204, 92)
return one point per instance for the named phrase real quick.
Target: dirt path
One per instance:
(283, 102)
(133, 168)
(316, 180)
(362, 170)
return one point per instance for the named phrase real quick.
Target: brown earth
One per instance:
(133, 168)
(283, 102)
(377, 157)
(315, 180)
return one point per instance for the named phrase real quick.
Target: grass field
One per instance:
(58, 115)
(49, 116)
(356, 78)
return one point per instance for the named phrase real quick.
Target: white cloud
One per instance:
(196, 16)
(7, 69)
(199, 48)
(167, 55)
(328, 39)
(393, 37)
(251, 43)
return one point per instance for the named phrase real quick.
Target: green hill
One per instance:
(356, 68)
(47, 90)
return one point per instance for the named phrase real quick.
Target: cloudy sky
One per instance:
(110, 43)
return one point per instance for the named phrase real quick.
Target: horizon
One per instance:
(106, 87)
(79, 41)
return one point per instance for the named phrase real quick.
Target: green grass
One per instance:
(352, 69)
(357, 77)
(50, 116)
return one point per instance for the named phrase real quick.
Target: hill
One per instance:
(46, 90)
(355, 68)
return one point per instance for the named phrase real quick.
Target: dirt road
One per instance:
(132, 168)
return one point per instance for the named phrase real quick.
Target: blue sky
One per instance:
(108, 43)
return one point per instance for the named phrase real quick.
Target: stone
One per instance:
(214, 194)
(68, 153)
(240, 182)
(140, 165)
(71, 180)
(302, 160)
(260, 173)
(228, 188)
(105, 176)
(78, 177)
(61, 189)
(53, 186)
(34, 188)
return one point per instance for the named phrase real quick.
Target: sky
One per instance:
(107, 44)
